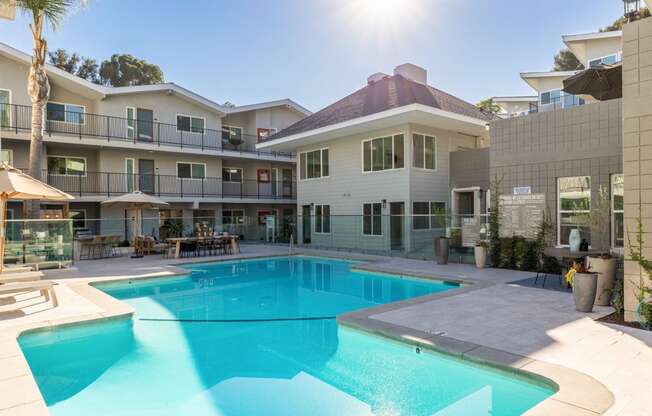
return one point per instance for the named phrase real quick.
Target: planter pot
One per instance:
(574, 240)
(444, 245)
(480, 254)
(606, 270)
(584, 288)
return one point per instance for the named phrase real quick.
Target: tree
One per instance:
(126, 70)
(62, 60)
(566, 61)
(489, 106)
(618, 23)
(494, 222)
(41, 11)
(89, 70)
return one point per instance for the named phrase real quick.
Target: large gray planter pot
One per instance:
(584, 288)
(480, 254)
(606, 270)
(444, 246)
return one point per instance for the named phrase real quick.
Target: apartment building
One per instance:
(516, 105)
(195, 154)
(590, 49)
(374, 166)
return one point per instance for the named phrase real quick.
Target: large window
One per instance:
(617, 210)
(427, 215)
(5, 104)
(383, 153)
(574, 197)
(78, 217)
(559, 99)
(425, 151)
(550, 97)
(190, 123)
(607, 60)
(314, 164)
(191, 170)
(323, 219)
(372, 219)
(69, 113)
(65, 165)
(233, 216)
(232, 175)
(231, 134)
(7, 156)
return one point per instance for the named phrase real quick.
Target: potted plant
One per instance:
(604, 264)
(584, 283)
(480, 253)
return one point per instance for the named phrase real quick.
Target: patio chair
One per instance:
(46, 288)
(548, 266)
(20, 269)
(188, 248)
(20, 277)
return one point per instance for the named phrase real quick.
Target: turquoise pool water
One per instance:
(257, 337)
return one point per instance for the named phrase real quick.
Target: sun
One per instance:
(386, 17)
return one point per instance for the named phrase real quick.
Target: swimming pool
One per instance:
(258, 337)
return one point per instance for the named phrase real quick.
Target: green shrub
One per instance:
(618, 296)
(530, 260)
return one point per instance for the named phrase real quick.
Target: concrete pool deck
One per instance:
(489, 321)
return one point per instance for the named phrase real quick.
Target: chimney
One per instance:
(376, 77)
(412, 72)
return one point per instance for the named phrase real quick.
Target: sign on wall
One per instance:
(522, 190)
(521, 214)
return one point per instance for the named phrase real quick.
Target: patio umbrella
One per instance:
(15, 184)
(138, 201)
(604, 82)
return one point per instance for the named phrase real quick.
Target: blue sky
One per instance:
(318, 51)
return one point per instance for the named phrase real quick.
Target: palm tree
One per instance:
(38, 87)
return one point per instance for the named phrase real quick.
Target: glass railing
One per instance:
(39, 243)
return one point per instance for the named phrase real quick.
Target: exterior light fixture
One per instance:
(631, 8)
(486, 126)
(384, 201)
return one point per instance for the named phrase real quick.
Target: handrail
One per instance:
(99, 126)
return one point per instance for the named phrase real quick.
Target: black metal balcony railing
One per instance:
(103, 127)
(112, 184)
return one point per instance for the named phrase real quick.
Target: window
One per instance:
(617, 210)
(372, 220)
(130, 173)
(425, 151)
(7, 156)
(5, 108)
(233, 216)
(383, 153)
(428, 215)
(231, 134)
(262, 216)
(190, 123)
(560, 98)
(323, 219)
(607, 60)
(64, 165)
(232, 175)
(550, 97)
(78, 217)
(264, 133)
(571, 100)
(131, 122)
(574, 196)
(314, 164)
(68, 113)
(191, 170)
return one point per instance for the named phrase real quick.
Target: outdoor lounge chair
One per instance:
(46, 288)
(17, 269)
(20, 277)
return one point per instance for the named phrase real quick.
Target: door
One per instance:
(129, 174)
(287, 183)
(396, 223)
(465, 203)
(145, 124)
(305, 214)
(146, 175)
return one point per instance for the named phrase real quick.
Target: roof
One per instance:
(167, 87)
(389, 93)
(286, 102)
(546, 74)
(590, 36)
(516, 98)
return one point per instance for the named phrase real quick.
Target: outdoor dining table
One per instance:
(566, 256)
(174, 243)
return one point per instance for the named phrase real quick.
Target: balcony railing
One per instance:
(111, 184)
(108, 128)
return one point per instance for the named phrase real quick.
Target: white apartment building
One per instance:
(162, 139)
(590, 49)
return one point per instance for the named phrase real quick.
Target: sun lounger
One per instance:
(46, 288)
(17, 269)
(20, 277)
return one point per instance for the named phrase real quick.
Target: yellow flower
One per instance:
(569, 276)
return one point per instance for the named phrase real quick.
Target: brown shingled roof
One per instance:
(390, 92)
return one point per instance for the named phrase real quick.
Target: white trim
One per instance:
(424, 168)
(134, 119)
(233, 167)
(68, 157)
(321, 163)
(592, 35)
(65, 112)
(516, 99)
(372, 215)
(392, 136)
(376, 116)
(133, 174)
(559, 211)
(548, 74)
(614, 212)
(190, 163)
(190, 117)
(269, 104)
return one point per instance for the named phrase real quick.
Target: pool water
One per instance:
(258, 337)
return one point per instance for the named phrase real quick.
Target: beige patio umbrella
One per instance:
(138, 201)
(15, 184)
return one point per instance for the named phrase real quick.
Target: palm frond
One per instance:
(53, 10)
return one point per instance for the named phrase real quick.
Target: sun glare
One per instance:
(382, 14)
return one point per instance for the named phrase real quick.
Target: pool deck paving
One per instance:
(599, 368)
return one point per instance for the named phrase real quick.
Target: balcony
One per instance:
(108, 184)
(17, 118)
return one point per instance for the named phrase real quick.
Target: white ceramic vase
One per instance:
(574, 239)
